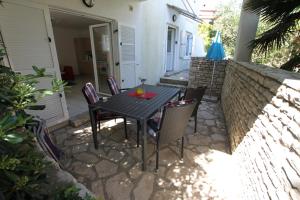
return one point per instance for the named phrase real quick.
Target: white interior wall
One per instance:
(65, 47)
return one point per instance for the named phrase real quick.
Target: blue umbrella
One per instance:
(215, 53)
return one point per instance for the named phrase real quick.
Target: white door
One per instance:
(28, 36)
(127, 56)
(101, 43)
(170, 49)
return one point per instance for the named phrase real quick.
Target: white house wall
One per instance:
(118, 10)
(150, 19)
(157, 16)
(65, 47)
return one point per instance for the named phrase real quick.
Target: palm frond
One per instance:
(273, 10)
(277, 35)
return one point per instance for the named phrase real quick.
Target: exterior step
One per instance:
(171, 81)
(171, 85)
(212, 99)
(79, 120)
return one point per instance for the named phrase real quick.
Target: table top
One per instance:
(138, 108)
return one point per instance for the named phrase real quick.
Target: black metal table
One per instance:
(136, 108)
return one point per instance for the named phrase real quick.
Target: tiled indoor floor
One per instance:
(113, 171)
(76, 102)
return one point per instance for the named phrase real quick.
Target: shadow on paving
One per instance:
(114, 172)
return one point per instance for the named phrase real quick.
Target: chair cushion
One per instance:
(90, 93)
(44, 140)
(179, 103)
(114, 89)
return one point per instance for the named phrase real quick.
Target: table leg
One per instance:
(94, 127)
(144, 144)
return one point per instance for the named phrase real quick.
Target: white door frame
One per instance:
(175, 45)
(110, 63)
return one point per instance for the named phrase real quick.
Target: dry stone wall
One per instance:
(201, 71)
(262, 111)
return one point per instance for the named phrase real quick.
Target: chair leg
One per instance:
(157, 153)
(98, 125)
(182, 144)
(195, 128)
(138, 127)
(125, 127)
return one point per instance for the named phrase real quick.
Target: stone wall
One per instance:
(262, 111)
(201, 74)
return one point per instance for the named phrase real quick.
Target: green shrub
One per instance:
(71, 193)
(22, 167)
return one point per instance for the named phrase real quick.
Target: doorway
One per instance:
(84, 49)
(170, 49)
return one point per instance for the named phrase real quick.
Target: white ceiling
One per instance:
(61, 19)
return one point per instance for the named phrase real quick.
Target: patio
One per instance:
(114, 171)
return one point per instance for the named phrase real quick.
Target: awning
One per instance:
(185, 13)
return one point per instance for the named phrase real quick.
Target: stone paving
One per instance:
(114, 171)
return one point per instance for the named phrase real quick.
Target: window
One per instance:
(169, 43)
(189, 44)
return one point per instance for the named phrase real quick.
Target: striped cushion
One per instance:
(179, 103)
(90, 93)
(114, 89)
(42, 136)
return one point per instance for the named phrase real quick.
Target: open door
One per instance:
(101, 43)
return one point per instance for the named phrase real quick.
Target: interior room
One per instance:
(74, 51)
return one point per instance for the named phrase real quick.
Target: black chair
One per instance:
(91, 97)
(171, 126)
(194, 93)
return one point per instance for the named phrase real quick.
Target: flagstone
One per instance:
(87, 157)
(113, 171)
(119, 187)
(105, 168)
(145, 187)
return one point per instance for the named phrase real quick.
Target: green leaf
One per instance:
(13, 138)
(47, 92)
(39, 71)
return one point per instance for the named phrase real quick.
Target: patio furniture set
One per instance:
(171, 110)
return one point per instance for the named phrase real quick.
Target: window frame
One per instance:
(188, 45)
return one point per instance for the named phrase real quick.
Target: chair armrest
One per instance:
(100, 98)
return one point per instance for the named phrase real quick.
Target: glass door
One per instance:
(101, 43)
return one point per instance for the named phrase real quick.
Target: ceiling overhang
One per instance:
(185, 13)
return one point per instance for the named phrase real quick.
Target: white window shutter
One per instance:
(182, 44)
(24, 30)
(127, 56)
